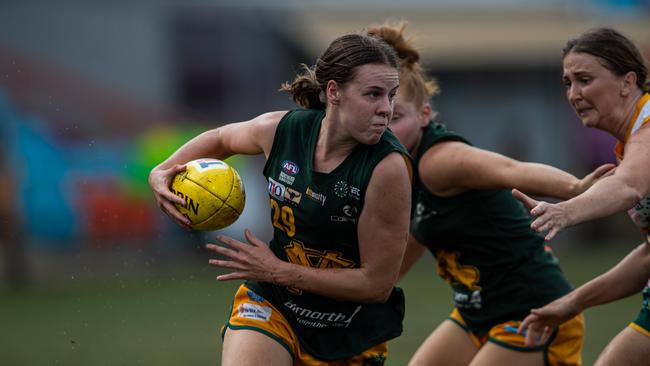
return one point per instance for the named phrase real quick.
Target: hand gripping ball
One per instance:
(213, 192)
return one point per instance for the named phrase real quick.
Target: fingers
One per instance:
(232, 243)
(172, 212)
(536, 335)
(253, 239)
(170, 196)
(604, 170)
(231, 251)
(526, 323)
(551, 234)
(543, 338)
(179, 168)
(160, 181)
(539, 209)
(232, 276)
(226, 264)
(531, 337)
(528, 202)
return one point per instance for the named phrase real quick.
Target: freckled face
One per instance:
(593, 91)
(366, 102)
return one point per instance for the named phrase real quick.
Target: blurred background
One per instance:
(93, 94)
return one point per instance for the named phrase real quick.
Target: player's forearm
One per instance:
(348, 284)
(628, 277)
(547, 181)
(603, 199)
(204, 145)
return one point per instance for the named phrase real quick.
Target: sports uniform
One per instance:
(640, 213)
(315, 218)
(496, 265)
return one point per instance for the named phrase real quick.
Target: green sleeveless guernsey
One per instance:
(496, 265)
(314, 217)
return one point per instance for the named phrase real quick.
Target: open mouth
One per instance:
(582, 111)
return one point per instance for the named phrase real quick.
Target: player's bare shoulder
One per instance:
(264, 126)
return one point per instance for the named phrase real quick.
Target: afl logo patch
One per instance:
(290, 167)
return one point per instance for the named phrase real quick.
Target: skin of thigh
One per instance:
(250, 348)
(628, 348)
(494, 355)
(448, 345)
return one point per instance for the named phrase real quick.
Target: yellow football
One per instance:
(213, 192)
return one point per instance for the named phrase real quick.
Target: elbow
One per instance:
(377, 297)
(384, 295)
(636, 195)
(377, 293)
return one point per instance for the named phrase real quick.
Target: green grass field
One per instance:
(173, 318)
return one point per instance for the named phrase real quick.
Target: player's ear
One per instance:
(426, 113)
(332, 91)
(628, 83)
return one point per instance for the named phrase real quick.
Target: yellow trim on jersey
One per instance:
(633, 125)
(639, 329)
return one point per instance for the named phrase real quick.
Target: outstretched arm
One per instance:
(456, 167)
(382, 232)
(625, 279)
(614, 193)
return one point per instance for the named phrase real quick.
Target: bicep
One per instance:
(449, 168)
(633, 169)
(384, 220)
(250, 137)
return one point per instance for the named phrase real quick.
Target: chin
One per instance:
(590, 123)
(372, 140)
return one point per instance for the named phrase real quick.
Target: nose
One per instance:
(573, 93)
(385, 108)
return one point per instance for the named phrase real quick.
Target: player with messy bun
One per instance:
(479, 234)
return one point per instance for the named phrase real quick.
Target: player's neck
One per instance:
(332, 148)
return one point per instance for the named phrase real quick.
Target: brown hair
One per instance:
(615, 52)
(413, 81)
(338, 63)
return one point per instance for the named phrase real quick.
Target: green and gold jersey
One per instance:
(496, 265)
(315, 218)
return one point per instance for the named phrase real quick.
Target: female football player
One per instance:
(479, 234)
(339, 190)
(607, 85)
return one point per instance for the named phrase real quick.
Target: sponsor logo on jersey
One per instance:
(298, 253)
(292, 196)
(468, 301)
(276, 190)
(284, 177)
(321, 319)
(355, 193)
(421, 212)
(349, 215)
(318, 197)
(341, 189)
(290, 167)
(254, 311)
